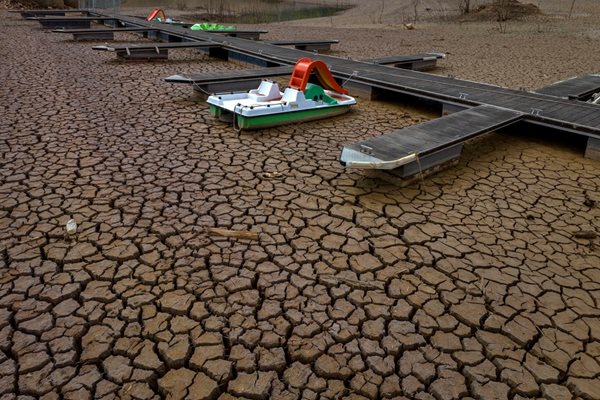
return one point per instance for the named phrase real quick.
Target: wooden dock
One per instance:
(420, 147)
(417, 62)
(309, 45)
(101, 34)
(555, 108)
(55, 22)
(243, 80)
(44, 13)
(153, 50)
(579, 88)
(229, 81)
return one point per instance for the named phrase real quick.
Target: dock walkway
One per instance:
(564, 114)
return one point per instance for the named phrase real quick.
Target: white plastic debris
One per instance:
(71, 227)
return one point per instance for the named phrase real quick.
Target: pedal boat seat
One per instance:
(267, 91)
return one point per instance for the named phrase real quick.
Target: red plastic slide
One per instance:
(157, 12)
(302, 71)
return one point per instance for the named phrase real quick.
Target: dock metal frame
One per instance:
(153, 50)
(55, 22)
(44, 13)
(308, 45)
(102, 34)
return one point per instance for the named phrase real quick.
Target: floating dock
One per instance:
(153, 50)
(102, 34)
(557, 106)
(243, 80)
(578, 88)
(44, 13)
(55, 22)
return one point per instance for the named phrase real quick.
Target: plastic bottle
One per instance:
(71, 227)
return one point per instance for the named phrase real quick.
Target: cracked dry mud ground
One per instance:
(469, 285)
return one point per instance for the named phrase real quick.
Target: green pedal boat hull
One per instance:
(277, 119)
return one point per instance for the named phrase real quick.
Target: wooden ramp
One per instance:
(422, 146)
(578, 88)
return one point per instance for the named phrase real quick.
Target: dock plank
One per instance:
(65, 18)
(154, 46)
(405, 146)
(42, 13)
(310, 45)
(579, 87)
(226, 76)
(154, 50)
(300, 42)
(406, 58)
(104, 30)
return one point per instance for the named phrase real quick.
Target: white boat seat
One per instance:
(267, 91)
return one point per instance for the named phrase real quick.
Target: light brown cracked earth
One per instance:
(470, 284)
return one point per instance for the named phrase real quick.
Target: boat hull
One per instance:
(267, 106)
(277, 119)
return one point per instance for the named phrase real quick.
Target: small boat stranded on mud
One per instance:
(301, 101)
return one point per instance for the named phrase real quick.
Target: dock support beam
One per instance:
(113, 23)
(314, 47)
(448, 108)
(219, 52)
(94, 36)
(431, 162)
(151, 35)
(424, 65)
(67, 24)
(362, 90)
(145, 54)
(32, 14)
(248, 35)
(592, 149)
(223, 87)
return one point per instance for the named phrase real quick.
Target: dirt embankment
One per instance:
(18, 5)
(33, 4)
(502, 10)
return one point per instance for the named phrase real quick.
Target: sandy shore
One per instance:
(469, 284)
